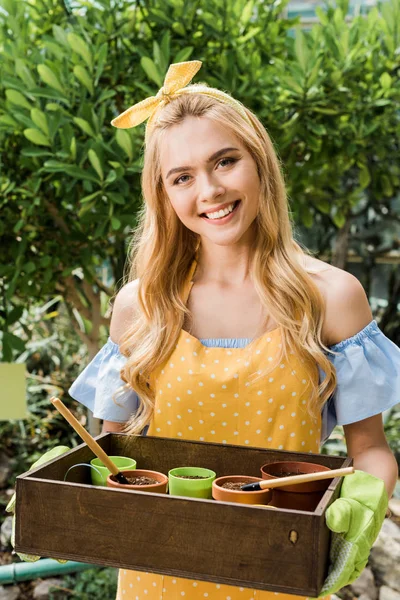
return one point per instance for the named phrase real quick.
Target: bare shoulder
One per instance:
(125, 304)
(347, 310)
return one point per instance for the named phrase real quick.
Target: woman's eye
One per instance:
(230, 161)
(179, 179)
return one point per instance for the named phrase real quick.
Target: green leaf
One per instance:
(79, 46)
(53, 166)
(84, 78)
(17, 98)
(115, 223)
(49, 93)
(35, 152)
(53, 106)
(166, 48)
(15, 342)
(325, 111)
(301, 50)
(179, 28)
(60, 35)
(14, 315)
(37, 137)
(321, 15)
(105, 95)
(151, 70)
(90, 197)
(29, 267)
(158, 58)
(72, 148)
(365, 177)
(249, 35)
(8, 120)
(246, 13)
(385, 81)
(111, 177)
(18, 226)
(101, 61)
(382, 102)
(124, 141)
(40, 120)
(85, 126)
(24, 73)
(184, 54)
(50, 78)
(96, 164)
(386, 186)
(339, 218)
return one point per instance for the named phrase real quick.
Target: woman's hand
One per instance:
(355, 519)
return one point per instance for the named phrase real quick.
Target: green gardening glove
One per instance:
(53, 453)
(355, 518)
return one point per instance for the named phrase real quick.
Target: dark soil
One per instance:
(234, 485)
(190, 477)
(139, 480)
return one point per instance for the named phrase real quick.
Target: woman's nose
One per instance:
(210, 188)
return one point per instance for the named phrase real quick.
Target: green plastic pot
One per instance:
(122, 462)
(196, 488)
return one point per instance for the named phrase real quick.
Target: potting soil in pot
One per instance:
(139, 480)
(234, 485)
(190, 477)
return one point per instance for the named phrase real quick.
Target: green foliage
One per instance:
(66, 174)
(329, 98)
(53, 357)
(93, 584)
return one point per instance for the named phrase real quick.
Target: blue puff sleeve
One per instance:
(368, 378)
(98, 382)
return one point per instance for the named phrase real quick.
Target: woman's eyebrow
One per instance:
(210, 159)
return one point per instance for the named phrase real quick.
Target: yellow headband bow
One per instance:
(176, 80)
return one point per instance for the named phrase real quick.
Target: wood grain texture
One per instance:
(277, 550)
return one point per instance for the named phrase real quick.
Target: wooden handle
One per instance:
(305, 478)
(85, 435)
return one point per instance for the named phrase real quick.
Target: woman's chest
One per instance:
(227, 313)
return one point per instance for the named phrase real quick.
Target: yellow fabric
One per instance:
(207, 394)
(176, 80)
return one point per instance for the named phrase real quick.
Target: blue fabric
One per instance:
(95, 386)
(367, 366)
(368, 378)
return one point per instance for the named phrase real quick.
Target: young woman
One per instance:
(227, 330)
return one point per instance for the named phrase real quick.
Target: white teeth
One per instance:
(221, 213)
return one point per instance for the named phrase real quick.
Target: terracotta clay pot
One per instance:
(239, 496)
(158, 488)
(303, 496)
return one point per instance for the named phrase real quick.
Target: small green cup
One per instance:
(196, 488)
(122, 462)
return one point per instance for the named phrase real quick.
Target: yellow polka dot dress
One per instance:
(218, 394)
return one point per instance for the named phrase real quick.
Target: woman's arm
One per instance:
(348, 312)
(367, 445)
(112, 427)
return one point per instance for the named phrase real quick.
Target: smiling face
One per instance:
(205, 169)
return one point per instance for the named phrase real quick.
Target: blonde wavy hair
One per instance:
(162, 244)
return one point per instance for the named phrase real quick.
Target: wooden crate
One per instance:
(277, 550)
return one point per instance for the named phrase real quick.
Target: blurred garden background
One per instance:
(322, 76)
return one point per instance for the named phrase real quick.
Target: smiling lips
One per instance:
(221, 212)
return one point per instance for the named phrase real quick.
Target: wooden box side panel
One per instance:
(205, 540)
